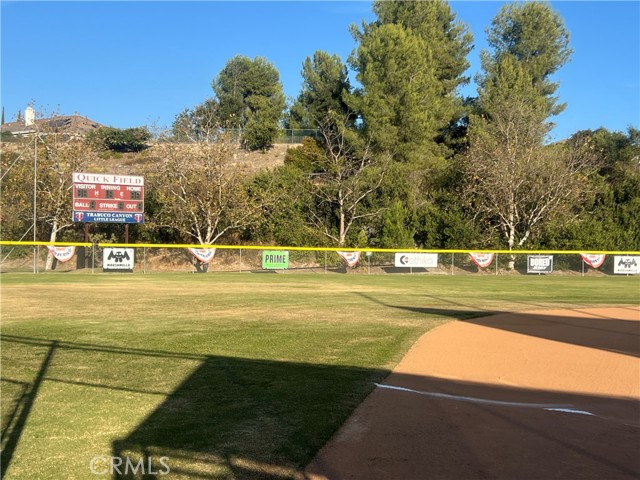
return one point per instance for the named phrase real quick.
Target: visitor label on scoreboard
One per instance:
(275, 259)
(117, 259)
(626, 265)
(420, 260)
(539, 263)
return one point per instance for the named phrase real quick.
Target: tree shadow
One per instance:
(263, 419)
(229, 418)
(429, 427)
(13, 424)
(593, 331)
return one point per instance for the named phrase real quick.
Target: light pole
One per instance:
(35, 179)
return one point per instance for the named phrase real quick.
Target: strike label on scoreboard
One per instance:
(108, 198)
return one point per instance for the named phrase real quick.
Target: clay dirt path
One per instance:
(534, 395)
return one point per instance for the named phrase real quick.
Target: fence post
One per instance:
(144, 260)
(452, 263)
(93, 256)
(240, 260)
(325, 262)
(496, 264)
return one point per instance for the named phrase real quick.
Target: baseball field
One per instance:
(249, 375)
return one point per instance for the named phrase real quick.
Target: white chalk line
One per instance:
(484, 401)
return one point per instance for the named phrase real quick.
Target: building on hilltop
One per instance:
(72, 125)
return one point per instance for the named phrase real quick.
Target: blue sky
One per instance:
(133, 63)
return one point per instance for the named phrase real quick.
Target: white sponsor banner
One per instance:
(62, 254)
(482, 260)
(593, 260)
(352, 258)
(423, 260)
(539, 263)
(205, 255)
(117, 259)
(626, 264)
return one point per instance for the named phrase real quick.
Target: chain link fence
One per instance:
(151, 259)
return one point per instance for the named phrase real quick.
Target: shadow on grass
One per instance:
(261, 419)
(229, 418)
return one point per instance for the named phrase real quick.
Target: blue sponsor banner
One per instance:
(108, 217)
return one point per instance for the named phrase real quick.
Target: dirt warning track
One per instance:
(534, 395)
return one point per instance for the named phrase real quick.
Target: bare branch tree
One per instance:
(350, 175)
(201, 192)
(516, 182)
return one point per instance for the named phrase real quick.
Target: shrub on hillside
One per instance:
(119, 140)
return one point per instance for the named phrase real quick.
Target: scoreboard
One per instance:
(108, 198)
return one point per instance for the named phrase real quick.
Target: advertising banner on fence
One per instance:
(351, 258)
(626, 265)
(62, 254)
(593, 260)
(275, 260)
(117, 260)
(539, 263)
(483, 260)
(416, 260)
(205, 255)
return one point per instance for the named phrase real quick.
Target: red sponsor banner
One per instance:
(63, 254)
(483, 260)
(205, 255)
(593, 259)
(351, 258)
(101, 191)
(87, 205)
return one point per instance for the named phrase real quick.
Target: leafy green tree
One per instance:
(610, 217)
(285, 219)
(325, 89)
(119, 140)
(197, 124)
(448, 41)
(308, 157)
(410, 62)
(401, 97)
(536, 38)
(250, 97)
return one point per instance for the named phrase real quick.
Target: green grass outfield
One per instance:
(226, 375)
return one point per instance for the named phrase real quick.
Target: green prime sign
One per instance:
(275, 259)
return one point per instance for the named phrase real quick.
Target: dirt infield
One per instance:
(535, 395)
